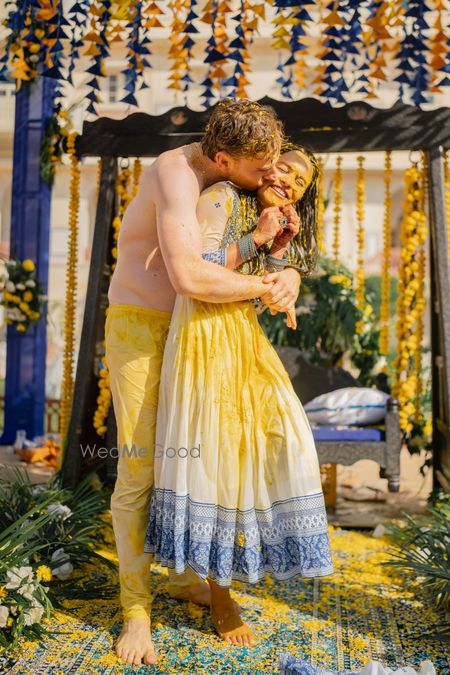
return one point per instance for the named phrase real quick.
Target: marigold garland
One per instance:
(410, 304)
(320, 208)
(123, 199)
(99, 175)
(447, 195)
(71, 288)
(137, 170)
(421, 298)
(337, 180)
(385, 275)
(360, 237)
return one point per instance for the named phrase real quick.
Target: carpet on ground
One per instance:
(364, 612)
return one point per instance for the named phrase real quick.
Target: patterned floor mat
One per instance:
(363, 612)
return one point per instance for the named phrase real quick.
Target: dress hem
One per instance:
(226, 583)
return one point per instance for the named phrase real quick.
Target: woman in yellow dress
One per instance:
(237, 489)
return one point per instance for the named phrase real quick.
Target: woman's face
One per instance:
(293, 175)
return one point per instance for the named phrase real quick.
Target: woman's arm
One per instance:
(214, 212)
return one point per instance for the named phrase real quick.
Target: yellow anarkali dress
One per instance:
(237, 489)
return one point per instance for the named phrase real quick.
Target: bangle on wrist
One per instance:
(247, 247)
(273, 264)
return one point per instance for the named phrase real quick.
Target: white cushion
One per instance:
(350, 405)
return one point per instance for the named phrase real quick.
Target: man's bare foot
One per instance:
(134, 644)
(227, 620)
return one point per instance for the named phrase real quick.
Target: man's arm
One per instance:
(176, 194)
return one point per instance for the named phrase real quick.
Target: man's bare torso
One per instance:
(140, 277)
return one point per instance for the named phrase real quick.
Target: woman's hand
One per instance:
(268, 226)
(288, 232)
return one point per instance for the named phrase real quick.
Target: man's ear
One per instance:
(223, 160)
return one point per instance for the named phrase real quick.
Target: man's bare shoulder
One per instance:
(171, 168)
(178, 158)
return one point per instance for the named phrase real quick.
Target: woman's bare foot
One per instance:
(134, 644)
(200, 594)
(226, 618)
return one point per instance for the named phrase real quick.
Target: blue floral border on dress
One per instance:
(288, 539)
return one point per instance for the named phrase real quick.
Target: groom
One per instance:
(159, 256)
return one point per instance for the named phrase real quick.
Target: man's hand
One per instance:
(284, 291)
(268, 226)
(290, 230)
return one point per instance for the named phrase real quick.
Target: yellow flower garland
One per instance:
(421, 298)
(410, 304)
(360, 237)
(320, 209)
(337, 180)
(447, 195)
(385, 278)
(137, 170)
(71, 288)
(99, 175)
(123, 199)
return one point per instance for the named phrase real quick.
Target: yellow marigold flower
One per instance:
(25, 307)
(44, 573)
(28, 296)
(28, 265)
(9, 622)
(3, 592)
(21, 328)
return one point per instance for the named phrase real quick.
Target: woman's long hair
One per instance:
(304, 244)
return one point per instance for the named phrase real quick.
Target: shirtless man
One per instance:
(159, 255)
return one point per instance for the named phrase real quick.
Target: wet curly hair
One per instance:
(243, 129)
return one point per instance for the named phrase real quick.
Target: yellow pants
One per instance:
(135, 338)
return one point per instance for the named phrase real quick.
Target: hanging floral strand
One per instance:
(385, 274)
(421, 260)
(337, 208)
(137, 170)
(447, 195)
(71, 289)
(360, 237)
(99, 173)
(320, 208)
(409, 305)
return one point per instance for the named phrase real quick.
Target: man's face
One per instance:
(291, 178)
(245, 172)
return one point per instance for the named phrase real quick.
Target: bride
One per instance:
(237, 490)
